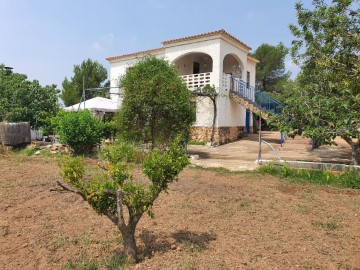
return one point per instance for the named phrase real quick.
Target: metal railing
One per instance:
(260, 99)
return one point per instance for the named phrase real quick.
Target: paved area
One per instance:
(243, 154)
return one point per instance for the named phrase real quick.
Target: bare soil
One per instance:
(208, 220)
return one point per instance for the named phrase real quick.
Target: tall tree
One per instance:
(156, 105)
(327, 102)
(24, 100)
(270, 72)
(90, 74)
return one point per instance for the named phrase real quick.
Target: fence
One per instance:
(15, 133)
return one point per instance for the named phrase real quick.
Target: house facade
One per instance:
(217, 59)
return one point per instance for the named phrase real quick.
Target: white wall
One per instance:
(118, 69)
(230, 113)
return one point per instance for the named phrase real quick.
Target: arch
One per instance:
(233, 65)
(193, 63)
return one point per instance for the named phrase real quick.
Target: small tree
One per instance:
(156, 105)
(117, 194)
(80, 130)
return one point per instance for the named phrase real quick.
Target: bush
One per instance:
(80, 130)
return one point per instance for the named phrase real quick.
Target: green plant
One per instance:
(116, 262)
(80, 130)
(115, 191)
(326, 47)
(28, 151)
(156, 105)
(345, 179)
(196, 142)
(82, 263)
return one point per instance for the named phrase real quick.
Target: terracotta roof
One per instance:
(112, 58)
(218, 32)
(253, 59)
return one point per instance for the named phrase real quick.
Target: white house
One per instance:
(217, 59)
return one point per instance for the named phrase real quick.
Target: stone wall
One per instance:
(222, 135)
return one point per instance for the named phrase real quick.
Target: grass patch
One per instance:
(116, 262)
(345, 179)
(196, 143)
(219, 170)
(83, 263)
(330, 226)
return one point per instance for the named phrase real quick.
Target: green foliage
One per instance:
(345, 179)
(80, 130)
(270, 72)
(326, 101)
(73, 171)
(196, 142)
(102, 192)
(156, 106)
(83, 263)
(24, 100)
(94, 75)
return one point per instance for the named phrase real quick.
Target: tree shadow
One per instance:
(163, 243)
(153, 243)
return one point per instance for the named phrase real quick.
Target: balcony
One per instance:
(195, 81)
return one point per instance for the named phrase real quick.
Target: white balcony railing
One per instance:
(194, 81)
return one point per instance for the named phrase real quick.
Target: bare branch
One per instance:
(65, 188)
(101, 166)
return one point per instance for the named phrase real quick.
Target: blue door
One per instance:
(247, 121)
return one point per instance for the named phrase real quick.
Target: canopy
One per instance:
(96, 104)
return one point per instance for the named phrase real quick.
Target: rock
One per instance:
(53, 152)
(178, 248)
(37, 152)
(194, 157)
(4, 230)
(173, 246)
(53, 147)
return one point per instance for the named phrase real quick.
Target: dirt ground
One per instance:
(208, 220)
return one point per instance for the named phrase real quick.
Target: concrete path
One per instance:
(242, 154)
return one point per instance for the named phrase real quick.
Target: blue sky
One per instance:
(45, 38)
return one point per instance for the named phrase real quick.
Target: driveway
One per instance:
(243, 154)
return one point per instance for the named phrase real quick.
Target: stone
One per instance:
(37, 152)
(194, 157)
(53, 147)
(173, 247)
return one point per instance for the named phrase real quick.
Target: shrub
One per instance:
(80, 130)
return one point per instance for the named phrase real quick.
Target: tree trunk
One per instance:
(355, 154)
(214, 121)
(355, 150)
(129, 242)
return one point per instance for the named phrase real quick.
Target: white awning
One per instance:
(96, 104)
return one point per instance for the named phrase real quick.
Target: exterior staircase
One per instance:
(253, 99)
